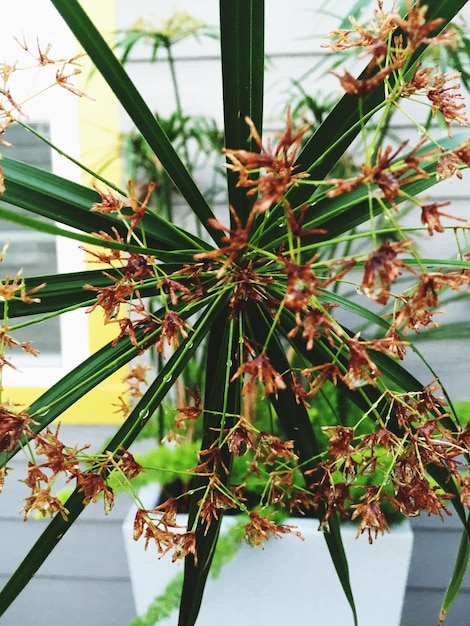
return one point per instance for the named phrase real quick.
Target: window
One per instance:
(35, 253)
(61, 341)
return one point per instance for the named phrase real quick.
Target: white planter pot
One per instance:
(289, 582)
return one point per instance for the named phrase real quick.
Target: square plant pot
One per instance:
(289, 581)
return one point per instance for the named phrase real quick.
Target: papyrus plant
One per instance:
(261, 290)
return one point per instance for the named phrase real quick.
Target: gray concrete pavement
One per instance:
(85, 581)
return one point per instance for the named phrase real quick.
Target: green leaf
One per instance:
(332, 138)
(51, 228)
(456, 330)
(242, 48)
(61, 292)
(221, 404)
(329, 142)
(61, 200)
(338, 556)
(165, 380)
(458, 573)
(64, 292)
(340, 215)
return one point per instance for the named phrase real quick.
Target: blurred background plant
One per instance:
(195, 137)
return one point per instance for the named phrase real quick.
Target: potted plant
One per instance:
(378, 573)
(261, 293)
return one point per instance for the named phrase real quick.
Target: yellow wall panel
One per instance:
(99, 150)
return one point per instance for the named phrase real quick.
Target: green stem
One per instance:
(70, 158)
(2, 345)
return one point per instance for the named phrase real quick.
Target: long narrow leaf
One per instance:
(69, 203)
(242, 47)
(458, 573)
(329, 142)
(74, 385)
(221, 403)
(51, 228)
(338, 130)
(165, 380)
(62, 292)
(340, 215)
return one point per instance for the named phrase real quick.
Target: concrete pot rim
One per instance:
(148, 495)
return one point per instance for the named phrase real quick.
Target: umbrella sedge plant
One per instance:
(261, 291)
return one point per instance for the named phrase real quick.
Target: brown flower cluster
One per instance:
(11, 106)
(388, 48)
(190, 411)
(134, 379)
(130, 210)
(122, 294)
(261, 528)
(287, 286)
(15, 289)
(359, 370)
(431, 217)
(317, 324)
(338, 480)
(389, 53)
(11, 290)
(301, 285)
(159, 524)
(276, 174)
(14, 423)
(387, 175)
(121, 299)
(275, 163)
(274, 461)
(259, 369)
(416, 309)
(172, 326)
(382, 268)
(89, 471)
(266, 456)
(249, 285)
(236, 239)
(442, 91)
(408, 488)
(8, 342)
